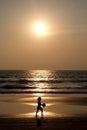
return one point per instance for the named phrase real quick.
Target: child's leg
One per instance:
(37, 111)
(41, 111)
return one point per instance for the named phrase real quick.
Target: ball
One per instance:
(43, 104)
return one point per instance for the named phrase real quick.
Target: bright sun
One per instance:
(40, 28)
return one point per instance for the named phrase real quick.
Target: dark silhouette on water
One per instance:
(40, 106)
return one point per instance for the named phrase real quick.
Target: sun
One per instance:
(40, 28)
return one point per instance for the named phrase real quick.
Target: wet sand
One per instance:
(63, 112)
(70, 123)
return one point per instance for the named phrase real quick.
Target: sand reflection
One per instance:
(56, 105)
(38, 94)
(45, 114)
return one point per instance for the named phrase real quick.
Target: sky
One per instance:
(65, 46)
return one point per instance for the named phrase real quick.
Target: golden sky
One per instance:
(63, 45)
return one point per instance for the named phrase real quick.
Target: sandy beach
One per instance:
(63, 111)
(76, 123)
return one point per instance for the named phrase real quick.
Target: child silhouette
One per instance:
(39, 106)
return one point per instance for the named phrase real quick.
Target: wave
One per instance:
(50, 92)
(16, 86)
(43, 81)
(25, 81)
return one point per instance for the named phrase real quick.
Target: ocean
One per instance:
(63, 92)
(43, 81)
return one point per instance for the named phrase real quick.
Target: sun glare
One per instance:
(40, 28)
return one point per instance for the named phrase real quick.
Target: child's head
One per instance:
(39, 99)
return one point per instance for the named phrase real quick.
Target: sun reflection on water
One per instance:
(40, 75)
(39, 81)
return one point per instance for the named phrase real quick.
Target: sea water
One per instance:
(43, 81)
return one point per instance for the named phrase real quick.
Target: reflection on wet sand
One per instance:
(56, 105)
(46, 114)
(39, 121)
